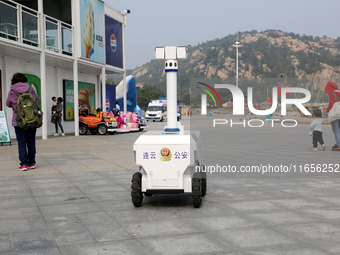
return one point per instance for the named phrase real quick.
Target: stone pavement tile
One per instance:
(68, 208)
(102, 227)
(323, 213)
(217, 223)
(6, 243)
(163, 227)
(15, 194)
(20, 212)
(41, 169)
(71, 166)
(117, 204)
(43, 251)
(312, 192)
(22, 224)
(332, 200)
(13, 187)
(299, 203)
(101, 193)
(45, 178)
(65, 198)
(144, 213)
(253, 205)
(253, 237)
(292, 249)
(12, 181)
(92, 182)
(55, 191)
(33, 240)
(124, 247)
(323, 235)
(198, 243)
(53, 186)
(61, 218)
(282, 217)
(10, 202)
(70, 232)
(79, 176)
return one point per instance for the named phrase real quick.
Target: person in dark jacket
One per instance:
(58, 118)
(333, 91)
(25, 137)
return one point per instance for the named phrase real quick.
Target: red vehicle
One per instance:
(100, 123)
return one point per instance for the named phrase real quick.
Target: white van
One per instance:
(156, 110)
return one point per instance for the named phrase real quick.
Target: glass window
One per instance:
(8, 21)
(66, 34)
(29, 28)
(154, 108)
(51, 36)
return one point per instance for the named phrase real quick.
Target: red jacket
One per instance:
(330, 88)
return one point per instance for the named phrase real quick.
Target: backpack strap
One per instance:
(335, 98)
(30, 90)
(15, 93)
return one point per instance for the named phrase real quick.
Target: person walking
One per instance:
(316, 127)
(25, 136)
(333, 111)
(58, 117)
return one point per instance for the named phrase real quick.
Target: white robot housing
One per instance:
(167, 158)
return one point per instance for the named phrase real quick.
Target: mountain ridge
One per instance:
(266, 54)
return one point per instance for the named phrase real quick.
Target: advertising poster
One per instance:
(92, 27)
(4, 134)
(34, 81)
(113, 42)
(110, 97)
(86, 98)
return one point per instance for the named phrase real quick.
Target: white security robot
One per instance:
(168, 159)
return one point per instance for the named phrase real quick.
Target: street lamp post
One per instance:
(126, 12)
(237, 45)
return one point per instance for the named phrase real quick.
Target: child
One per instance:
(54, 101)
(316, 127)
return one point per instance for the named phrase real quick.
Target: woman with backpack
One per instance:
(58, 117)
(25, 134)
(333, 111)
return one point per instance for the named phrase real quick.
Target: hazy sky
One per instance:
(182, 22)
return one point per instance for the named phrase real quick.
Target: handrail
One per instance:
(19, 35)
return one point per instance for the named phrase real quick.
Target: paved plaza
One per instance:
(77, 201)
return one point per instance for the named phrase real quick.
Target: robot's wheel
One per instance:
(204, 183)
(197, 189)
(136, 189)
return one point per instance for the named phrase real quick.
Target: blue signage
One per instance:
(113, 42)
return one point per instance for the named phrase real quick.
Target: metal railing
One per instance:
(22, 24)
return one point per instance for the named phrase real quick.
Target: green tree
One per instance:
(146, 93)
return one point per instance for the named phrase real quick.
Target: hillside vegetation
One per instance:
(267, 54)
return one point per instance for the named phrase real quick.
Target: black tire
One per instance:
(102, 130)
(136, 189)
(203, 180)
(93, 131)
(196, 185)
(83, 129)
(161, 120)
(177, 118)
(204, 183)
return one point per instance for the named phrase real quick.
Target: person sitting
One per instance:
(98, 110)
(84, 112)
